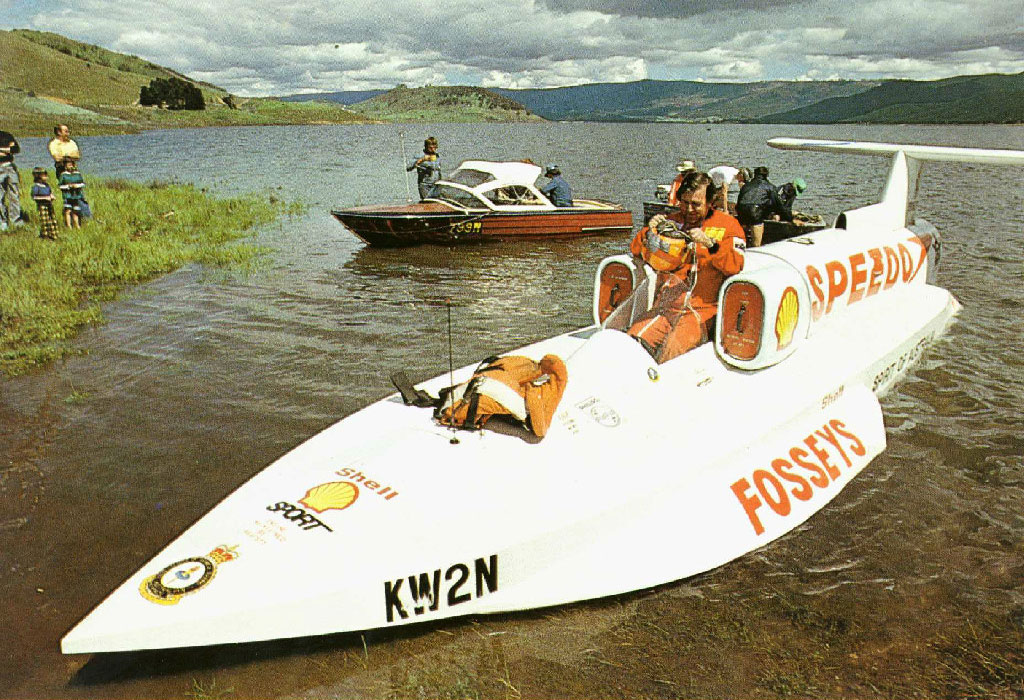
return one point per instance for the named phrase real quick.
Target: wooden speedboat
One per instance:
(484, 200)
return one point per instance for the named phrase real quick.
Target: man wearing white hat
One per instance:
(684, 167)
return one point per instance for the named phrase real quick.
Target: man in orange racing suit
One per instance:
(686, 301)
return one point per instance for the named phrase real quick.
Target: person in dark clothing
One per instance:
(790, 191)
(558, 190)
(10, 184)
(759, 200)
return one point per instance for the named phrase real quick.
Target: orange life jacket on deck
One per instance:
(507, 386)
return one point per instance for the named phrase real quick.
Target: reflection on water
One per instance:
(201, 378)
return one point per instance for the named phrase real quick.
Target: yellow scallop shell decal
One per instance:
(334, 495)
(785, 320)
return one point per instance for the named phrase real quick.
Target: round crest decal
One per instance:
(168, 585)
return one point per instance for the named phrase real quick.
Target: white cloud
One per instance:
(734, 71)
(254, 47)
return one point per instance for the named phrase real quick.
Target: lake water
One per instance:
(200, 378)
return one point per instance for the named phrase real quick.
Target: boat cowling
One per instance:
(764, 315)
(616, 278)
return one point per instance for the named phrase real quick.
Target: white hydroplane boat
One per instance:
(648, 473)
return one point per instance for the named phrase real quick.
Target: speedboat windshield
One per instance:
(457, 196)
(631, 309)
(470, 177)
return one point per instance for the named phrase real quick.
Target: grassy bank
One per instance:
(50, 289)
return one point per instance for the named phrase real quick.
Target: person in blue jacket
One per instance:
(558, 190)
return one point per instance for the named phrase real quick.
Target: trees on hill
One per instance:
(175, 93)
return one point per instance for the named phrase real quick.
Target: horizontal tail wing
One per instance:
(897, 207)
(991, 156)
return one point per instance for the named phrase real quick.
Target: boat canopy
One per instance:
(512, 173)
(482, 184)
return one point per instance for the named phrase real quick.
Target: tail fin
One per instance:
(897, 207)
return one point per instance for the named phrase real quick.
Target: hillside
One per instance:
(47, 78)
(965, 99)
(443, 104)
(968, 99)
(678, 100)
(344, 98)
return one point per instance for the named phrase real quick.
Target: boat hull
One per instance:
(617, 497)
(435, 223)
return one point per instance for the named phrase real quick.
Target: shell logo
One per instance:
(785, 319)
(334, 495)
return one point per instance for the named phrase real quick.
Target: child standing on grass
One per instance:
(43, 197)
(72, 189)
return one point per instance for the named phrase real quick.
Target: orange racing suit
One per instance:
(678, 322)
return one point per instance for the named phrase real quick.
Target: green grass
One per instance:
(50, 289)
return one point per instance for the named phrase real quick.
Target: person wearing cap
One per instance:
(428, 168)
(790, 191)
(557, 190)
(759, 200)
(684, 167)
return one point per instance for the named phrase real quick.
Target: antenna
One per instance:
(401, 140)
(451, 364)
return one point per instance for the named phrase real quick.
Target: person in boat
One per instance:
(790, 191)
(723, 177)
(557, 190)
(428, 168)
(684, 167)
(758, 201)
(693, 250)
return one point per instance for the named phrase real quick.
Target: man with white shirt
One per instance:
(722, 177)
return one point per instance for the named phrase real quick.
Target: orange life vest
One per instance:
(507, 386)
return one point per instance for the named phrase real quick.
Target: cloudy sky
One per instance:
(277, 47)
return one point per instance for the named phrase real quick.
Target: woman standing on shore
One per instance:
(62, 148)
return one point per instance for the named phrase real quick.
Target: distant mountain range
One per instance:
(47, 78)
(993, 98)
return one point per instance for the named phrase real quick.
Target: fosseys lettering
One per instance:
(804, 471)
(423, 593)
(299, 516)
(864, 274)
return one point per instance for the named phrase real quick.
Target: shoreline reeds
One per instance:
(49, 289)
